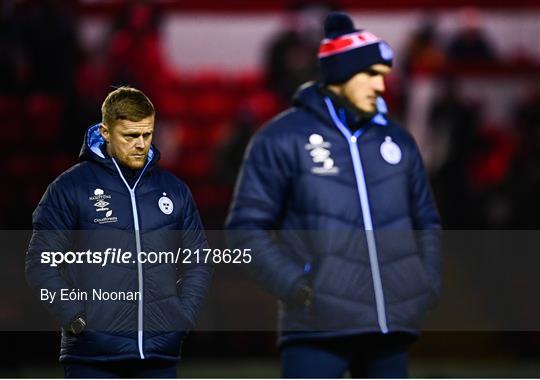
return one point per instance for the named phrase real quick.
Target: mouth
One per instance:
(138, 156)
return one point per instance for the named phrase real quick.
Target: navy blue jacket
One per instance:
(355, 217)
(93, 206)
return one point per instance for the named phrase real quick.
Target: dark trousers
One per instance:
(373, 356)
(121, 369)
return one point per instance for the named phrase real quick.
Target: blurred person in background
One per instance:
(470, 44)
(454, 126)
(521, 187)
(424, 53)
(423, 56)
(117, 197)
(231, 152)
(290, 56)
(136, 49)
(345, 186)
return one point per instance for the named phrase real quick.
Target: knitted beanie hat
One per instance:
(346, 51)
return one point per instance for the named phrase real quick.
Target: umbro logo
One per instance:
(101, 204)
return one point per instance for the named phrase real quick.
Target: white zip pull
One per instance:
(354, 139)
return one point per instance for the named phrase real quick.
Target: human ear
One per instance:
(104, 130)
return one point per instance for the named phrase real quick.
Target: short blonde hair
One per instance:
(126, 103)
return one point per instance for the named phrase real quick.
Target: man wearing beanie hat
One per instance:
(355, 261)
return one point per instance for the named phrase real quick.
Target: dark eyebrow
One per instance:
(374, 72)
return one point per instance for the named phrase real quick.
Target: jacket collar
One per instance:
(311, 97)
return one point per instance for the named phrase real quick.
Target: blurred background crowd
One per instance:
(465, 83)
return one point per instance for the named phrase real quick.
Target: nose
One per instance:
(139, 143)
(378, 84)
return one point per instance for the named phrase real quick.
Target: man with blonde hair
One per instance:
(118, 200)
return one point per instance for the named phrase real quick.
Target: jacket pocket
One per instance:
(343, 278)
(404, 279)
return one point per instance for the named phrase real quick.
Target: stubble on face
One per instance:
(129, 141)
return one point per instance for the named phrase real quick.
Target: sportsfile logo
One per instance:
(101, 204)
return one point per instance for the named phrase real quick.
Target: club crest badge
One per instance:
(166, 205)
(390, 151)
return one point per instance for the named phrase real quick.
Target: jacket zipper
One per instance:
(138, 247)
(352, 140)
